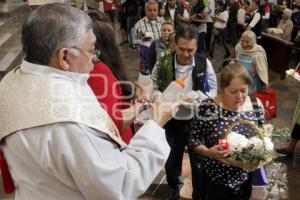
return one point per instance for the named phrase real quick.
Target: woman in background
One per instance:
(253, 57)
(108, 79)
(198, 19)
(285, 26)
(219, 30)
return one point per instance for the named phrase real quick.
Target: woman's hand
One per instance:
(141, 104)
(214, 152)
(217, 153)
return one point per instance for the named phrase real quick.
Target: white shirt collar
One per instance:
(184, 66)
(37, 69)
(173, 8)
(157, 20)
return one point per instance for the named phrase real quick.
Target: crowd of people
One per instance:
(74, 135)
(64, 145)
(221, 20)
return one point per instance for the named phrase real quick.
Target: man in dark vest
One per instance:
(255, 20)
(200, 76)
(176, 13)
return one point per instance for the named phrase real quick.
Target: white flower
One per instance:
(268, 144)
(236, 141)
(267, 130)
(290, 71)
(257, 143)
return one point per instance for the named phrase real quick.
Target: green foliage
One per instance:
(283, 132)
(250, 155)
(281, 136)
(165, 71)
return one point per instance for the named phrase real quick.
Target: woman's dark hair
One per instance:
(106, 43)
(257, 2)
(99, 16)
(247, 3)
(198, 7)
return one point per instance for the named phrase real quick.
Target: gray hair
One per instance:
(52, 27)
(251, 35)
(287, 12)
(150, 2)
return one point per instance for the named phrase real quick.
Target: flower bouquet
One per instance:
(253, 152)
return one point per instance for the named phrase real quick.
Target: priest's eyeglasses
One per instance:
(94, 52)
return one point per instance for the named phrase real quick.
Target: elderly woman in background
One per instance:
(285, 26)
(253, 57)
(220, 180)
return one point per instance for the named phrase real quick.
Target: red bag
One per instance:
(268, 99)
(7, 181)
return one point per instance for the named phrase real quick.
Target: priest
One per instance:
(57, 141)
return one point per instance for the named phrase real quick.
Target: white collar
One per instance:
(184, 66)
(37, 69)
(152, 21)
(172, 8)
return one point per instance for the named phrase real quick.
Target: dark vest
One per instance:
(198, 76)
(198, 73)
(179, 10)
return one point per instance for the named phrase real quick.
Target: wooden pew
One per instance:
(278, 51)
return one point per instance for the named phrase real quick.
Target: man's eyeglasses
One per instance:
(94, 52)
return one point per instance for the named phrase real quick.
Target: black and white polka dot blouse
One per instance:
(208, 126)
